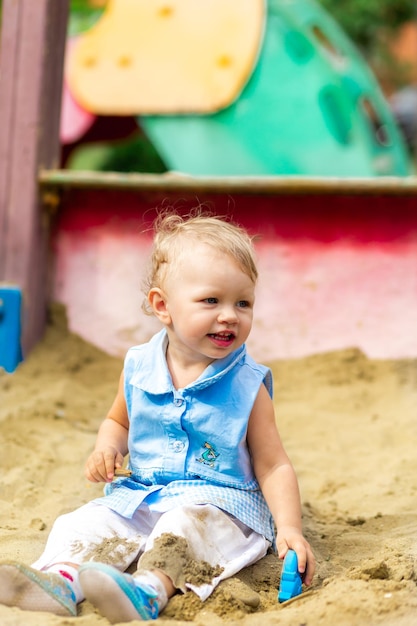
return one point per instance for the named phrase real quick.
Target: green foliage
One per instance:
(82, 16)
(372, 24)
(135, 154)
(365, 20)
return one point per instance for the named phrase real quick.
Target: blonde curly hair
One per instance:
(172, 231)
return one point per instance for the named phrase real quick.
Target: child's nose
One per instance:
(228, 315)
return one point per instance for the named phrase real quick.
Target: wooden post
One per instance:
(31, 68)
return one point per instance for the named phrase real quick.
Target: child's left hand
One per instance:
(291, 538)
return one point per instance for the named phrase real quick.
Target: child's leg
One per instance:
(92, 532)
(218, 545)
(95, 533)
(192, 547)
(30, 590)
(120, 597)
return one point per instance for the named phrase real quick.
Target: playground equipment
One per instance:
(238, 88)
(166, 57)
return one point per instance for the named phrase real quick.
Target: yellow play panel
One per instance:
(166, 57)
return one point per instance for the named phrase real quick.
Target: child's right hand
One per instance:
(101, 464)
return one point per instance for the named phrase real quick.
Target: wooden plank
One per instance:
(32, 53)
(8, 67)
(274, 185)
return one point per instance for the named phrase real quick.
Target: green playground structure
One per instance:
(311, 107)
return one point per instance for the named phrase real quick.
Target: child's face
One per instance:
(209, 300)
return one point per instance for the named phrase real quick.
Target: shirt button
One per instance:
(178, 446)
(178, 401)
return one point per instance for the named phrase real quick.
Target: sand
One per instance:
(349, 425)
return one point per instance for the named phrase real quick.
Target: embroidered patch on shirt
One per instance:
(209, 455)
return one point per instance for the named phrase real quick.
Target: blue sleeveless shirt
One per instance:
(188, 446)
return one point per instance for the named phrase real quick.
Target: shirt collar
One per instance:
(152, 374)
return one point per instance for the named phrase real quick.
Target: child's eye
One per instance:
(210, 300)
(243, 304)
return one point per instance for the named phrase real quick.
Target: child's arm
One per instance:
(278, 483)
(111, 443)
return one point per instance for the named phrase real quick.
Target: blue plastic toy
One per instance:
(10, 327)
(291, 583)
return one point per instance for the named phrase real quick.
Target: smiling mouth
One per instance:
(226, 337)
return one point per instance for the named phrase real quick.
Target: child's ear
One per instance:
(157, 301)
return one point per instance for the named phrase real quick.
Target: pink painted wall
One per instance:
(335, 272)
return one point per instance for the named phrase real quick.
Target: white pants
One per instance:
(96, 533)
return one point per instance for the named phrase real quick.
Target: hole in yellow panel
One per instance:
(224, 61)
(124, 61)
(89, 61)
(165, 11)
